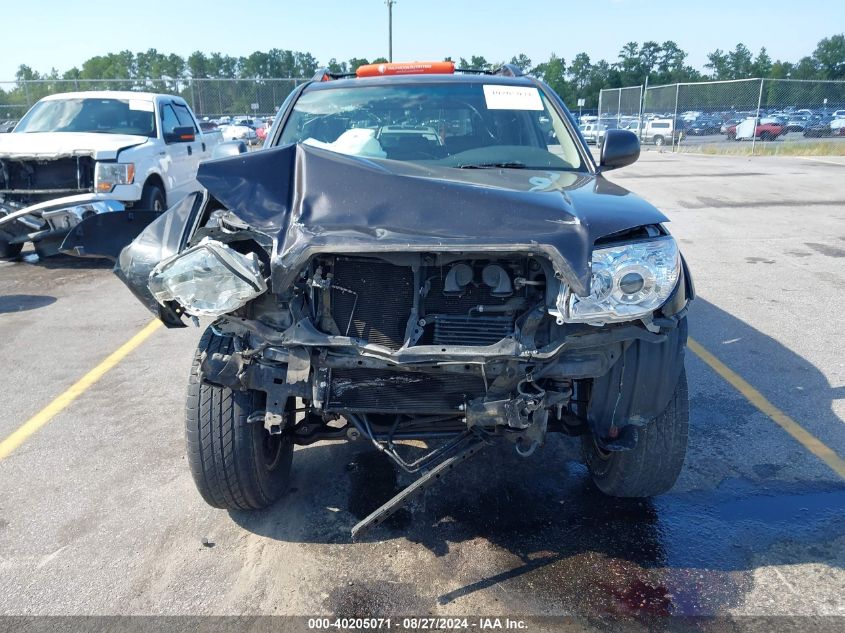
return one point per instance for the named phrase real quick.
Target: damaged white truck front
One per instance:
(80, 154)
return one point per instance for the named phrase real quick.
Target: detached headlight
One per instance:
(629, 281)
(208, 279)
(108, 175)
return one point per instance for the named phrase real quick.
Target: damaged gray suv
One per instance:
(419, 255)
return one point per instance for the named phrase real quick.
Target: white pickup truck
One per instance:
(79, 154)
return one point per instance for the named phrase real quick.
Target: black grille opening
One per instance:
(372, 300)
(34, 177)
(381, 390)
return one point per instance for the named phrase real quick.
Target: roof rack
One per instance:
(324, 74)
(505, 70)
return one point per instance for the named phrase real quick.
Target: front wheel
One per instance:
(152, 199)
(236, 464)
(653, 465)
(659, 141)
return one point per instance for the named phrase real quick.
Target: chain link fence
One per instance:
(772, 115)
(620, 105)
(211, 98)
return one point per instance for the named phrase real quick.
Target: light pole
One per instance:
(390, 4)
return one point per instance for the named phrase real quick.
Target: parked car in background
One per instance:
(661, 131)
(723, 129)
(764, 130)
(8, 125)
(79, 154)
(819, 128)
(239, 132)
(593, 132)
(837, 126)
(797, 122)
(703, 127)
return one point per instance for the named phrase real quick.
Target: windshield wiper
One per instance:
(502, 165)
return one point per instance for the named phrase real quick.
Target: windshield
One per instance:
(105, 116)
(451, 124)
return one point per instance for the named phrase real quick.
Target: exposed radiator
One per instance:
(385, 391)
(373, 299)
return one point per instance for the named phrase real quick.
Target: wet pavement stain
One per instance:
(799, 253)
(705, 202)
(363, 600)
(824, 249)
(535, 536)
(373, 481)
(761, 260)
(567, 548)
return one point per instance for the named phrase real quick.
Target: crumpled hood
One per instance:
(48, 145)
(312, 200)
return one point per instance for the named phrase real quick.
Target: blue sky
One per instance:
(63, 33)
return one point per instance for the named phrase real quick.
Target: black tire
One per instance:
(152, 199)
(659, 140)
(766, 137)
(653, 465)
(236, 465)
(7, 251)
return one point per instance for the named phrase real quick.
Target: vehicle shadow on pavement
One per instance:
(536, 532)
(60, 261)
(23, 303)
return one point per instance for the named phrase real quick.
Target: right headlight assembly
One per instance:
(629, 281)
(209, 279)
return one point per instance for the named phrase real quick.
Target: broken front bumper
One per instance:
(48, 222)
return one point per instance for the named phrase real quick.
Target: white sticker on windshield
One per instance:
(143, 106)
(512, 97)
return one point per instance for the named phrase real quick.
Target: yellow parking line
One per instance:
(19, 436)
(822, 160)
(807, 439)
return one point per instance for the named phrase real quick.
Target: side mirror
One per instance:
(228, 148)
(620, 148)
(180, 135)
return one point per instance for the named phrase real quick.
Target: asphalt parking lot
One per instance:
(98, 513)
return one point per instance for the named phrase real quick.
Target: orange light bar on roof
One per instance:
(406, 68)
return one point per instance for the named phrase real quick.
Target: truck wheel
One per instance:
(765, 136)
(659, 140)
(152, 199)
(653, 465)
(236, 465)
(7, 251)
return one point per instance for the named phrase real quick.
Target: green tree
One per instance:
(719, 64)
(762, 66)
(336, 67)
(830, 57)
(198, 65)
(521, 61)
(579, 73)
(553, 72)
(741, 63)
(355, 62)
